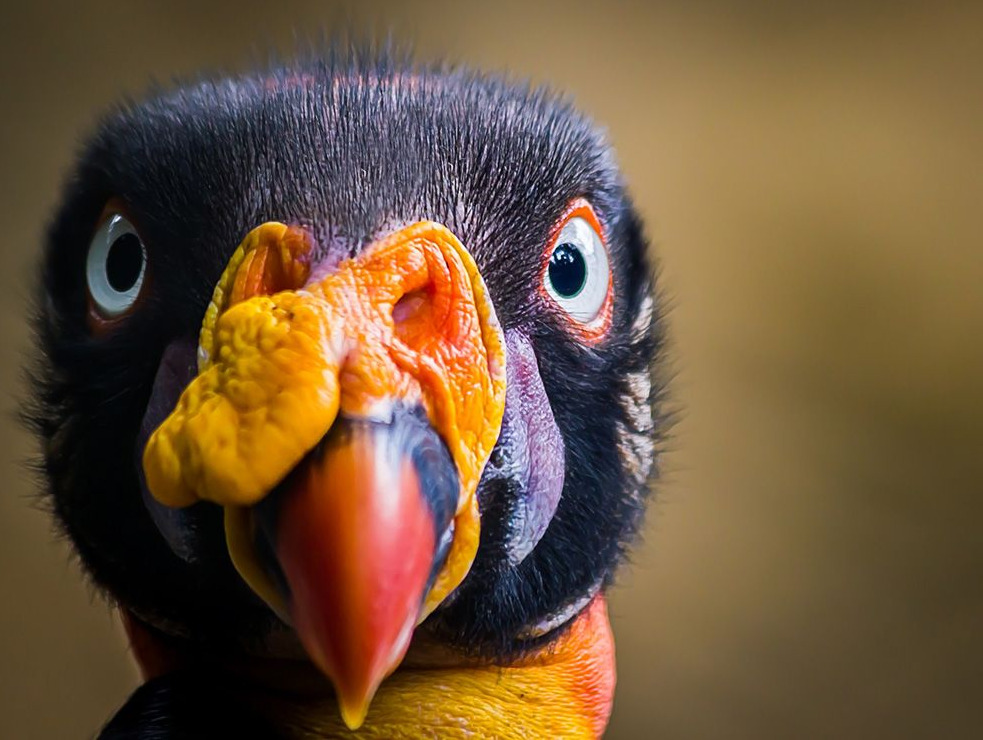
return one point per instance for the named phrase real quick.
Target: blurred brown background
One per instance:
(812, 176)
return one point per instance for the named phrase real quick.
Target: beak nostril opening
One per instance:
(414, 320)
(409, 306)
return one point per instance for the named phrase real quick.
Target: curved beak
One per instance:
(343, 422)
(359, 530)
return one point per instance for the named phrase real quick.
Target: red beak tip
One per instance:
(355, 540)
(356, 682)
(354, 709)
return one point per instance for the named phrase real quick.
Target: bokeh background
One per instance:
(812, 178)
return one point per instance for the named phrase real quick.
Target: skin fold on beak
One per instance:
(343, 421)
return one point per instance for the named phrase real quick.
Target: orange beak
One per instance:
(356, 533)
(343, 421)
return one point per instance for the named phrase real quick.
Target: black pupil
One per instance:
(568, 271)
(124, 262)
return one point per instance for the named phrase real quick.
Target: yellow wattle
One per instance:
(281, 353)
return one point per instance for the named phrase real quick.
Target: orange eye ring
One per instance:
(114, 291)
(588, 317)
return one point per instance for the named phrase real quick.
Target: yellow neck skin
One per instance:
(562, 691)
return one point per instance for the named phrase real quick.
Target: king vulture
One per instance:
(346, 397)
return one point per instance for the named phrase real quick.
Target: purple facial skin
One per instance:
(178, 366)
(530, 450)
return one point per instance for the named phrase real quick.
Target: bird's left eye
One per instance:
(578, 276)
(115, 267)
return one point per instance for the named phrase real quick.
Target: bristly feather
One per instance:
(348, 147)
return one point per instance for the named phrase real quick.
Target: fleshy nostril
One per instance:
(413, 319)
(409, 306)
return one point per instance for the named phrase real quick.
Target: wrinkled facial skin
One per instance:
(351, 152)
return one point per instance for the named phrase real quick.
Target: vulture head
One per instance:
(346, 400)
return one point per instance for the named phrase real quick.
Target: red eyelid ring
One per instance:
(594, 331)
(99, 324)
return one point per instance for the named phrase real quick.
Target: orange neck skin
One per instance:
(565, 689)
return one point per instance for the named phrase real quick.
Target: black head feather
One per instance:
(349, 150)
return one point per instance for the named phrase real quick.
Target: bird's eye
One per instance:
(577, 276)
(115, 267)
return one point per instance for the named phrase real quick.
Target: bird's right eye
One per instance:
(115, 268)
